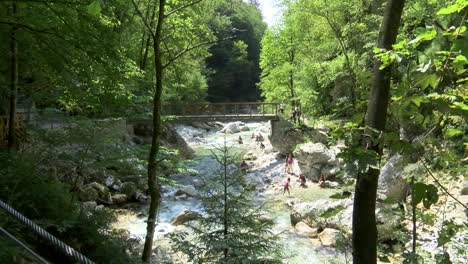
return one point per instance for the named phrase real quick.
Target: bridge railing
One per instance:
(220, 109)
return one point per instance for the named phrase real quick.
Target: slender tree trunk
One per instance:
(339, 37)
(291, 72)
(413, 205)
(12, 140)
(153, 180)
(364, 224)
(144, 55)
(225, 231)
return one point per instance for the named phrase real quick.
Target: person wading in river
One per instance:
(289, 164)
(287, 185)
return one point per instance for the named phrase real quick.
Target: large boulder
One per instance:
(391, 179)
(170, 138)
(284, 137)
(119, 198)
(315, 159)
(184, 217)
(328, 237)
(103, 194)
(305, 230)
(312, 212)
(233, 127)
(338, 215)
(88, 193)
(464, 190)
(250, 156)
(187, 190)
(129, 189)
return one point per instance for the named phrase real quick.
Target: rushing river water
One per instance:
(297, 249)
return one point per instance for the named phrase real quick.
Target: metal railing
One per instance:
(66, 249)
(220, 109)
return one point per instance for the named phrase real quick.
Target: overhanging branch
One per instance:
(182, 7)
(181, 53)
(148, 27)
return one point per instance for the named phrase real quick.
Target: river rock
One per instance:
(329, 171)
(311, 156)
(305, 230)
(291, 202)
(129, 189)
(244, 128)
(330, 184)
(310, 212)
(284, 137)
(184, 217)
(102, 191)
(464, 190)
(328, 237)
(88, 193)
(250, 156)
(233, 127)
(109, 181)
(89, 205)
(188, 190)
(119, 198)
(170, 138)
(140, 196)
(391, 181)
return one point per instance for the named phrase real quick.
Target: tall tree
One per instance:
(364, 223)
(164, 56)
(12, 140)
(231, 228)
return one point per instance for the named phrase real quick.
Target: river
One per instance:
(296, 248)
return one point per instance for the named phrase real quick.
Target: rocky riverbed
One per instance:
(314, 228)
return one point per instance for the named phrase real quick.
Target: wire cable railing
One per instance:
(69, 251)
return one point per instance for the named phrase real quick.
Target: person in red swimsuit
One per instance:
(286, 186)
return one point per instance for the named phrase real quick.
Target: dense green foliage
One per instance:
(234, 62)
(321, 56)
(50, 203)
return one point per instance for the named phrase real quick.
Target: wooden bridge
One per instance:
(221, 111)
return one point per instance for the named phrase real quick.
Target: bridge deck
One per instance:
(239, 117)
(220, 111)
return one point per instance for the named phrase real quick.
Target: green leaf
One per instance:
(455, 8)
(428, 80)
(452, 133)
(419, 192)
(431, 196)
(460, 61)
(417, 100)
(460, 45)
(455, 31)
(427, 35)
(443, 258)
(448, 231)
(94, 8)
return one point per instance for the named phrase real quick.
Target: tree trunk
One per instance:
(12, 140)
(364, 224)
(153, 180)
(225, 220)
(145, 47)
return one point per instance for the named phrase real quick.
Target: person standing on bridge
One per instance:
(281, 107)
